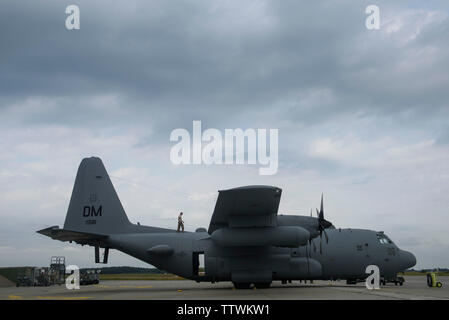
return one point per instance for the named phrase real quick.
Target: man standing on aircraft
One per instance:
(180, 223)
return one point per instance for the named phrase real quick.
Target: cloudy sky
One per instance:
(363, 115)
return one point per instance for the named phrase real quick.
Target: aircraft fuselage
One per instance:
(345, 256)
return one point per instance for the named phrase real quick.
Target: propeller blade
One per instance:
(321, 208)
(325, 234)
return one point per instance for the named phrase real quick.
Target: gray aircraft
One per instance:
(247, 242)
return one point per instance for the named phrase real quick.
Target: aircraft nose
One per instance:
(408, 259)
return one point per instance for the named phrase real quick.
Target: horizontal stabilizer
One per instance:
(67, 235)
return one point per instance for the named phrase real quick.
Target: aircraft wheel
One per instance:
(262, 285)
(242, 285)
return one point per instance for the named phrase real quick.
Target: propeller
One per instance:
(322, 224)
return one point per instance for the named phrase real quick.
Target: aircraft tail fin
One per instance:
(94, 206)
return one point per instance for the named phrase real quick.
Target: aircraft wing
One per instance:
(67, 235)
(251, 206)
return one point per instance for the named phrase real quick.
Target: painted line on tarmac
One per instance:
(62, 298)
(14, 297)
(115, 287)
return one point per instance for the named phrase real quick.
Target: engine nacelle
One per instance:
(285, 236)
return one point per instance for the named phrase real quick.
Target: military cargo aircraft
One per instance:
(247, 241)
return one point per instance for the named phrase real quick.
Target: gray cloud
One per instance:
(196, 56)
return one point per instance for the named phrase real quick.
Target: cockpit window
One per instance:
(383, 239)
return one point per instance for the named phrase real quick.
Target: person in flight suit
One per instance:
(180, 223)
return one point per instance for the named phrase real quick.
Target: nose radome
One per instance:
(408, 259)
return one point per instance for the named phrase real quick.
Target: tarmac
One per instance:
(415, 288)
